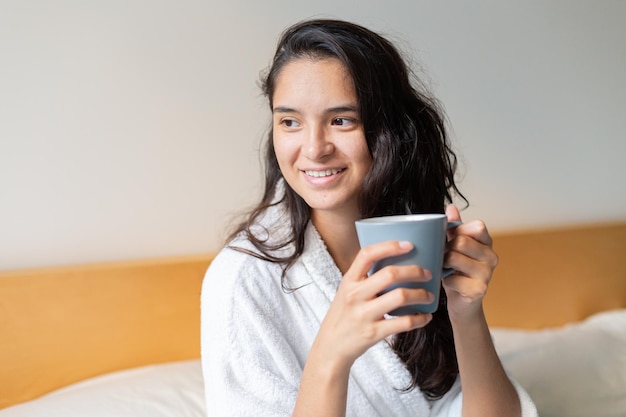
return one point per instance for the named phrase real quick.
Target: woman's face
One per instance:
(318, 135)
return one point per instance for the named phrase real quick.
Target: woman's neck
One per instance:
(339, 234)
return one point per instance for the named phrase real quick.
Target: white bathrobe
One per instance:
(256, 337)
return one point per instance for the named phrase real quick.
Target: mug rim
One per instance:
(402, 218)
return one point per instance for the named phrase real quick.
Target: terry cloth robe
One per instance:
(256, 335)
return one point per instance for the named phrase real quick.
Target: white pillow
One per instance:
(166, 390)
(578, 370)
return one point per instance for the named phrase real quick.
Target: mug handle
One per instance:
(449, 271)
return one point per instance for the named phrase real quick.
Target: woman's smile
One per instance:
(323, 173)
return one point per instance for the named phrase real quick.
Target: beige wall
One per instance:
(131, 129)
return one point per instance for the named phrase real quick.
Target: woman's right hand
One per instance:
(355, 320)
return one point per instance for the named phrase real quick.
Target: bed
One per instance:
(122, 339)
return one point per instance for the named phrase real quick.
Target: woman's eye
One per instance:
(341, 121)
(289, 123)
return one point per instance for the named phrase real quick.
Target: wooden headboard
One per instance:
(555, 276)
(63, 325)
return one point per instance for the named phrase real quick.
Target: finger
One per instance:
(396, 274)
(381, 280)
(453, 214)
(477, 230)
(399, 297)
(471, 267)
(395, 325)
(468, 288)
(472, 248)
(366, 257)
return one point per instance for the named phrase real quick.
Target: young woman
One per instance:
(291, 323)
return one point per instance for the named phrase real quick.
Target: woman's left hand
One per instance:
(471, 255)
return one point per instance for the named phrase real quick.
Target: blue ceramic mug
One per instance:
(427, 233)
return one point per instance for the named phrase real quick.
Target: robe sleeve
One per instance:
(250, 367)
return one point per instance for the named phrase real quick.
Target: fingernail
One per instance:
(405, 244)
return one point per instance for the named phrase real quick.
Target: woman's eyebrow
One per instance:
(342, 109)
(282, 109)
(331, 110)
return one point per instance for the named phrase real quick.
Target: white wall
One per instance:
(131, 128)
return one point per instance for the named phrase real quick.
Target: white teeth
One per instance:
(322, 173)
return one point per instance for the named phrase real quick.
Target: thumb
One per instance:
(453, 214)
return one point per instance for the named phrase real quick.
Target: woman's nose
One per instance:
(317, 144)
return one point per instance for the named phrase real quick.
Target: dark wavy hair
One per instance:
(413, 167)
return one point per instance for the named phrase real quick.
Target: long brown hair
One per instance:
(412, 170)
